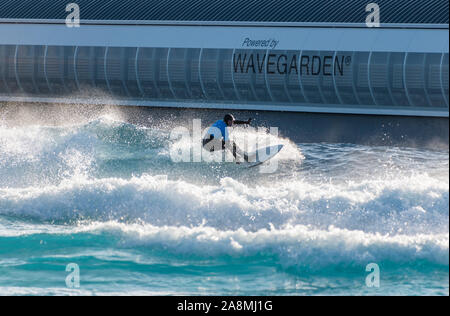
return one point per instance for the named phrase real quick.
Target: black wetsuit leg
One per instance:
(211, 144)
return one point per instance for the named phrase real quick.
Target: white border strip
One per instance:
(229, 23)
(176, 36)
(231, 106)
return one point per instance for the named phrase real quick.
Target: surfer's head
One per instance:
(229, 119)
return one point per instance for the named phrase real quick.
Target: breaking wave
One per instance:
(115, 181)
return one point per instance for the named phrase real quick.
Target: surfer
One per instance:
(218, 138)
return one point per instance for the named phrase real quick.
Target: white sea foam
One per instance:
(61, 291)
(394, 216)
(412, 205)
(304, 225)
(299, 246)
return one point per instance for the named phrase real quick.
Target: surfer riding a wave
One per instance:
(218, 137)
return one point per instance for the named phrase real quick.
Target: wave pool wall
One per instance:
(345, 69)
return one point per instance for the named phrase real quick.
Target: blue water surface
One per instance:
(106, 195)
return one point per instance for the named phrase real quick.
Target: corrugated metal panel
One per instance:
(299, 11)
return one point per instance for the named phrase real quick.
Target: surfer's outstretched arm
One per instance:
(248, 122)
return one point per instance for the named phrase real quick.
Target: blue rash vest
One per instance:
(221, 126)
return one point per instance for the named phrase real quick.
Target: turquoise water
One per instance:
(105, 194)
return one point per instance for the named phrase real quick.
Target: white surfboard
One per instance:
(262, 155)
